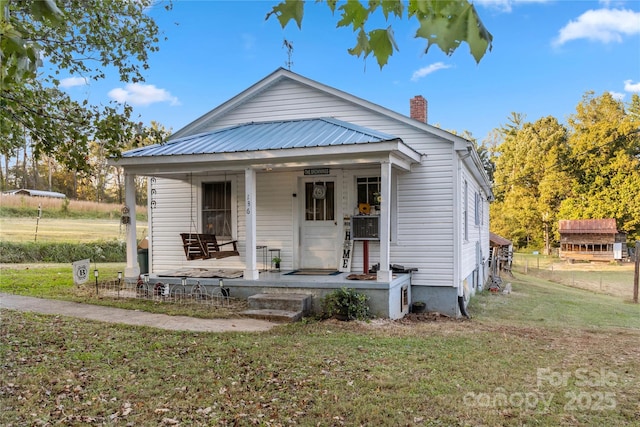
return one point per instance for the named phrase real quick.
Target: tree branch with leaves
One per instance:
(444, 23)
(42, 39)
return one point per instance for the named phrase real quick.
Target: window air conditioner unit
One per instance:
(365, 227)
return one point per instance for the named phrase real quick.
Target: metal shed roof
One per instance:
(588, 226)
(36, 193)
(276, 135)
(498, 240)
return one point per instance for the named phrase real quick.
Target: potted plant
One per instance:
(418, 307)
(276, 261)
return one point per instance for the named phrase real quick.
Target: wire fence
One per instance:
(180, 293)
(607, 278)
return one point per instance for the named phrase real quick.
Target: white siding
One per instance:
(476, 233)
(275, 214)
(178, 211)
(170, 217)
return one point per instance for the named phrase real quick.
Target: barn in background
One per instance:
(592, 240)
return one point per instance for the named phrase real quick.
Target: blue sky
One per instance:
(546, 55)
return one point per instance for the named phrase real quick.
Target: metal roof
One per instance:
(499, 240)
(258, 136)
(36, 193)
(590, 226)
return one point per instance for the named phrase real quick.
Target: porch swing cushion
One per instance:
(206, 246)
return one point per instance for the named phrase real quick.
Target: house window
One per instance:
(216, 208)
(478, 213)
(320, 201)
(368, 190)
(465, 212)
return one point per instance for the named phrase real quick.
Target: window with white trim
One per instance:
(368, 190)
(478, 212)
(216, 209)
(465, 212)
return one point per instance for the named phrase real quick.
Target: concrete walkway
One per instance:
(130, 317)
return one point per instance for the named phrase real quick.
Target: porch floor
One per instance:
(276, 279)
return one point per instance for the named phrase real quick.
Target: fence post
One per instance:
(637, 273)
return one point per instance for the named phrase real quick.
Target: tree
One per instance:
(82, 38)
(530, 180)
(546, 172)
(605, 141)
(445, 23)
(152, 134)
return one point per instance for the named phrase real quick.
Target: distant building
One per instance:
(35, 193)
(592, 240)
(501, 254)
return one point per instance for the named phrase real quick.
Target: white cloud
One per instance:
(604, 25)
(505, 5)
(73, 81)
(422, 72)
(617, 95)
(629, 86)
(142, 95)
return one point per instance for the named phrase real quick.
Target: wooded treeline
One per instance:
(22, 168)
(48, 140)
(589, 169)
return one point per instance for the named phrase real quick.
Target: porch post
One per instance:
(384, 273)
(132, 270)
(251, 267)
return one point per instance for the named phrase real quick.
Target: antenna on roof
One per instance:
(289, 45)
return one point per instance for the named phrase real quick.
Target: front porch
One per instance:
(386, 299)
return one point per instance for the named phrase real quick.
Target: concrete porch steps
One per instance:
(282, 307)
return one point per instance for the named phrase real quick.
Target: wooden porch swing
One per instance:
(205, 245)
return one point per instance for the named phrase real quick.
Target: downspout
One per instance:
(458, 238)
(463, 309)
(457, 246)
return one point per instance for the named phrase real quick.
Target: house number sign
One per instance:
(317, 171)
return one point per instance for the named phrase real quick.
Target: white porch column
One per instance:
(132, 270)
(251, 267)
(384, 274)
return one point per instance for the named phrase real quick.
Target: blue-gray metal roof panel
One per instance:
(304, 133)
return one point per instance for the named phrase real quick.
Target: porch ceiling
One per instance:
(281, 144)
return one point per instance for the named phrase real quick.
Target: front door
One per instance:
(319, 234)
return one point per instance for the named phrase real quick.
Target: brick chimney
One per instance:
(418, 108)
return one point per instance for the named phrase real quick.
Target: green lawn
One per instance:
(545, 355)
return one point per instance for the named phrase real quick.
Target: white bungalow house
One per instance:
(286, 165)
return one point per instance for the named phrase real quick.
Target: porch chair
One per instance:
(206, 246)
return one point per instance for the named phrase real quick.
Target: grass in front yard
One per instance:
(55, 281)
(519, 361)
